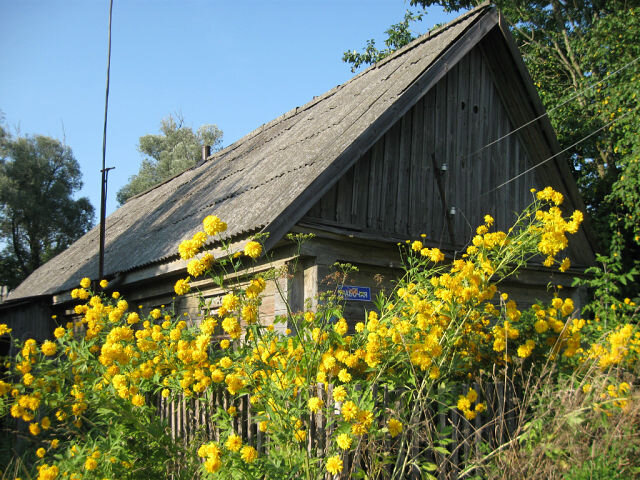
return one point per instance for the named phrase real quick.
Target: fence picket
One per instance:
(189, 419)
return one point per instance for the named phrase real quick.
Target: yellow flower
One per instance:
(59, 332)
(341, 326)
(85, 282)
(212, 464)
(187, 249)
(47, 472)
(253, 249)
(41, 452)
(54, 443)
(182, 286)
(315, 404)
(463, 403)
(4, 329)
(339, 393)
(196, 268)
(300, 435)
(213, 225)
(233, 443)
(137, 400)
(334, 465)
(349, 410)
(435, 255)
(49, 348)
(104, 283)
(248, 454)
(344, 441)
(395, 427)
(541, 326)
(199, 239)
(34, 429)
(526, 349)
(90, 464)
(231, 326)
(344, 376)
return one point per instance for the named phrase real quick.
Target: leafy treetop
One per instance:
(175, 150)
(39, 217)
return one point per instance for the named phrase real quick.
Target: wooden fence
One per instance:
(191, 420)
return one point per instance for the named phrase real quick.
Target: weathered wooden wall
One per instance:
(395, 188)
(398, 188)
(28, 319)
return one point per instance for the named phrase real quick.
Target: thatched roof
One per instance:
(266, 180)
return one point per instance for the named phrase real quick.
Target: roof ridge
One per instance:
(430, 35)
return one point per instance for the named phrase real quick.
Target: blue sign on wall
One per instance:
(360, 294)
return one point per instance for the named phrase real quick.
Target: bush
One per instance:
(88, 399)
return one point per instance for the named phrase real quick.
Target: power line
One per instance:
(546, 113)
(560, 152)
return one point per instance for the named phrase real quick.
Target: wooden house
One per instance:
(429, 140)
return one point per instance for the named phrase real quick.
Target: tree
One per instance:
(398, 35)
(584, 58)
(38, 216)
(175, 150)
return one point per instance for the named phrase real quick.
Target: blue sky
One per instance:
(233, 64)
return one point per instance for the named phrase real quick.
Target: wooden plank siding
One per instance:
(392, 188)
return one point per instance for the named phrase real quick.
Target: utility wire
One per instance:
(546, 113)
(560, 152)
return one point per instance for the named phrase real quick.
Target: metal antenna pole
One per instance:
(104, 171)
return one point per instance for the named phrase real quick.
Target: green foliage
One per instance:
(38, 216)
(398, 35)
(607, 282)
(86, 401)
(175, 150)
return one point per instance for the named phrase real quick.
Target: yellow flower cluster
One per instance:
(211, 453)
(444, 324)
(395, 427)
(620, 345)
(465, 404)
(213, 225)
(334, 465)
(46, 472)
(253, 249)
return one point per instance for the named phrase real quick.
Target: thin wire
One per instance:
(106, 95)
(546, 113)
(103, 196)
(559, 153)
